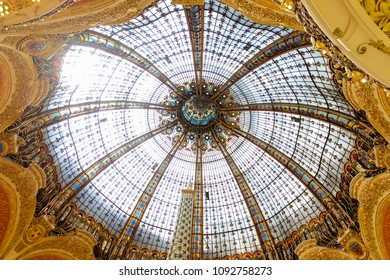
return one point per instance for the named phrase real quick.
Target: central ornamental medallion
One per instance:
(199, 111)
(204, 113)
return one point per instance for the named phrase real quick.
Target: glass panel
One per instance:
(161, 35)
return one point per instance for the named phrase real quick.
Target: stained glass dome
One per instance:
(246, 115)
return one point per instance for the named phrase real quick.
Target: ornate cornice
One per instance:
(264, 12)
(308, 250)
(80, 16)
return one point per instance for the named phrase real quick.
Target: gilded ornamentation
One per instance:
(264, 13)
(379, 11)
(287, 5)
(35, 233)
(322, 43)
(26, 87)
(372, 193)
(80, 17)
(382, 156)
(10, 143)
(363, 96)
(308, 250)
(6, 212)
(79, 246)
(43, 224)
(386, 230)
(18, 5)
(26, 185)
(379, 45)
(4, 9)
(353, 244)
(188, 3)
(3, 148)
(75, 247)
(37, 242)
(338, 33)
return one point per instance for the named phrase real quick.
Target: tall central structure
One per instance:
(181, 243)
(248, 112)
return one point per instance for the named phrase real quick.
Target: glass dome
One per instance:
(144, 105)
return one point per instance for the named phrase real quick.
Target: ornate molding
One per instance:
(353, 244)
(10, 143)
(25, 183)
(77, 247)
(38, 244)
(188, 3)
(44, 46)
(379, 45)
(308, 250)
(24, 89)
(374, 198)
(81, 15)
(382, 155)
(8, 209)
(346, 37)
(369, 97)
(264, 12)
(378, 11)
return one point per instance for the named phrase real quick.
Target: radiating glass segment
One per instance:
(160, 34)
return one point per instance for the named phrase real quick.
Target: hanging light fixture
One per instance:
(4, 9)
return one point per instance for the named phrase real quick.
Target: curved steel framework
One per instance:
(223, 162)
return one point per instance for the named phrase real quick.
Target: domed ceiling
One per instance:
(244, 114)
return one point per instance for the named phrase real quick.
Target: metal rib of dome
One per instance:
(125, 153)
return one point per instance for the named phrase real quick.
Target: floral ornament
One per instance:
(382, 17)
(379, 11)
(369, 5)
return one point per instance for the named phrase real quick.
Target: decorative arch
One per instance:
(77, 247)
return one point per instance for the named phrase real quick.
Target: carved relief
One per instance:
(41, 45)
(353, 244)
(38, 244)
(374, 198)
(24, 88)
(308, 250)
(21, 11)
(7, 215)
(10, 143)
(188, 3)
(78, 247)
(18, 5)
(264, 12)
(35, 233)
(24, 183)
(81, 16)
(382, 156)
(386, 229)
(378, 10)
(364, 95)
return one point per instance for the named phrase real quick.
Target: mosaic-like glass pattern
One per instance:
(124, 154)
